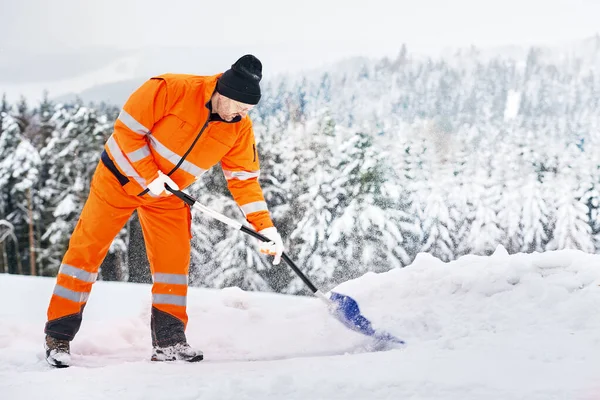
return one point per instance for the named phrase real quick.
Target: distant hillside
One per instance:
(87, 73)
(114, 88)
(115, 93)
(76, 72)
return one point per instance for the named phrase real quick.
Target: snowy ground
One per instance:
(499, 327)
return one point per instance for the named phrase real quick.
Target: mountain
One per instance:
(85, 72)
(115, 93)
(114, 81)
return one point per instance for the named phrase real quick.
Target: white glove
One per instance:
(157, 186)
(273, 247)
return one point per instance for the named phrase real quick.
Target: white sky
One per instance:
(53, 44)
(373, 25)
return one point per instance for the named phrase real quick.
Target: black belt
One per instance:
(108, 163)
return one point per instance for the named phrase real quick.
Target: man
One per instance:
(170, 131)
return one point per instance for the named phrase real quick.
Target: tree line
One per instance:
(363, 167)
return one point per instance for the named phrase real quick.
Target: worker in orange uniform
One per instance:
(171, 130)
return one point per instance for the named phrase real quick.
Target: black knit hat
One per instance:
(240, 82)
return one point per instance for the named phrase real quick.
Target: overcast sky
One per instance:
(45, 42)
(55, 25)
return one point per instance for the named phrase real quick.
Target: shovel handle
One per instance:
(192, 202)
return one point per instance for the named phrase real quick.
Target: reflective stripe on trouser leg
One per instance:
(166, 226)
(98, 224)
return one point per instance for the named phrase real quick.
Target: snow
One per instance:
(66, 206)
(513, 101)
(521, 326)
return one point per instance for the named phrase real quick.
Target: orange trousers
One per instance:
(166, 225)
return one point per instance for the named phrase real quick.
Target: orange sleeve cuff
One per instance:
(260, 220)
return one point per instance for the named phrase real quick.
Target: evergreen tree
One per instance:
(42, 121)
(572, 229)
(348, 202)
(508, 168)
(432, 187)
(19, 163)
(485, 230)
(71, 157)
(318, 200)
(535, 219)
(23, 115)
(367, 235)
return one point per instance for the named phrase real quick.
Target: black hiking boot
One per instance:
(176, 352)
(58, 353)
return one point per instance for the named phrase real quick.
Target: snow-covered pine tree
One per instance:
(4, 110)
(9, 140)
(555, 102)
(233, 258)
(224, 257)
(276, 149)
(535, 219)
(26, 162)
(485, 193)
(369, 232)
(6, 229)
(211, 191)
(406, 160)
(317, 201)
(19, 172)
(42, 124)
(23, 115)
(71, 157)
(432, 187)
(454, 151)
(590, 180)
(571, 189)
(508, 168)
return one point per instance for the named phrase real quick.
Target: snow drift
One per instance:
(499, 327)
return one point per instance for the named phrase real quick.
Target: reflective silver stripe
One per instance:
(254, 207)
(122, 162)
(169, 299)
(175, 279)
(174, 158)
(78, 297)
(241, 175)
(139, 154)
(132, 123)
(77, 273)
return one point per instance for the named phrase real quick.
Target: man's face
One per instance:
(228, 109)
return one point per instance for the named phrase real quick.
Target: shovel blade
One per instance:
(346, 310)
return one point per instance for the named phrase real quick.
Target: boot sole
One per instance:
(191, 360)
(57, 364)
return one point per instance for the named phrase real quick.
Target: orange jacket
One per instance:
(166, 119)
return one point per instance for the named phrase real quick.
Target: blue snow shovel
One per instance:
(343, 307)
